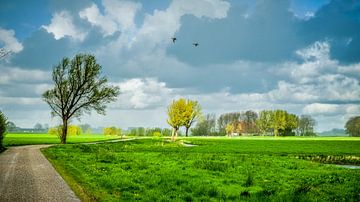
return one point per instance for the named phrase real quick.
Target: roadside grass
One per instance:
(31, 139)
(218, 169)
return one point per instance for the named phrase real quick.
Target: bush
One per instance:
(2, 129)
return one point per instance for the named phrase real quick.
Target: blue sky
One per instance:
(302, 56)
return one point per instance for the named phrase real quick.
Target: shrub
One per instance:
(2, 129)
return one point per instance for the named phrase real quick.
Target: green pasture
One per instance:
(217, 169)
(28, 139)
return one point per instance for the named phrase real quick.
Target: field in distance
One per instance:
(28, 139)
(217, 169)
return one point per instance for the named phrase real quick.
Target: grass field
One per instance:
(27, 139)
(218, 169)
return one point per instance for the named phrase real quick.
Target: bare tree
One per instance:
(78, 89)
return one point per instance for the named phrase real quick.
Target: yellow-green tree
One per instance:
(74, 130)
(278, 121)
(112, 131)
(264, 121)
(177, 116)
(229, 129)
(193, 114)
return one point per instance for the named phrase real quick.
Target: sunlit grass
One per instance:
(218, 169)
(28, 139)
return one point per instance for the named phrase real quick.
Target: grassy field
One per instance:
(218, 169)
(27, 139)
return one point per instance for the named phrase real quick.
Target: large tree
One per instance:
(177, 116)
(79, 88)
(353, 126)
(193, 114)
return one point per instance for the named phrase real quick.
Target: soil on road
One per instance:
(26, 175)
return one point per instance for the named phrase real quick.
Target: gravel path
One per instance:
(26, 175)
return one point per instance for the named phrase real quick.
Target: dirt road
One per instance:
(26, 175)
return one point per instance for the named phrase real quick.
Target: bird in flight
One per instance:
(174, 39)
(195, 44)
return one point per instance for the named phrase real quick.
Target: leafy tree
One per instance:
(3, 120)
(112, 131)
(177, 116)
(352, 126)
(78, 89)
(225, 119)
(206, 126)
(249, 119)
(165, 132)
(74, 130)
(306, 125)
(54, 131)
(292, 122)
(229, 129)
(264, 121)
(193, 114)
(38, 126)
(86, 128)
(278, 121)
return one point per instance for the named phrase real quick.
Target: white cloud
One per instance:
(321, 109)
(142, 93)
(17, 75)
(62, 25)
(7, 37)
(119, 16)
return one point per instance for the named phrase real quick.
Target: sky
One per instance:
(302, 56)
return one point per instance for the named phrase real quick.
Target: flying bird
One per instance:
(174, 39)
(195, 44)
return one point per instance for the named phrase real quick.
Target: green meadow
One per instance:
(216, 169)
(28, 139)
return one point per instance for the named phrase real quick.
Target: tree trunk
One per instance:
(174, 134)
(187, 131)
(64, 131)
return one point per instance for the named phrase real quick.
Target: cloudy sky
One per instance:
(299, 55)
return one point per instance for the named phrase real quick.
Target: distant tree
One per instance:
(292, 122)
(11, 126)
(193, 114)
(166, 132)
(206, 126)
(278, 121)
(226, 119)
(86, 128)
(306, 126)
(78, 89)
(3, 120)
(74, 130)
(249, 119)
(229, 129)
(38, 126)
(112, 131)
(177, 116)
(54, 131)
(352, 126)
(264, 121)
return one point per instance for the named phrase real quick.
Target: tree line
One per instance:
(266, 122)
(184, 113)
